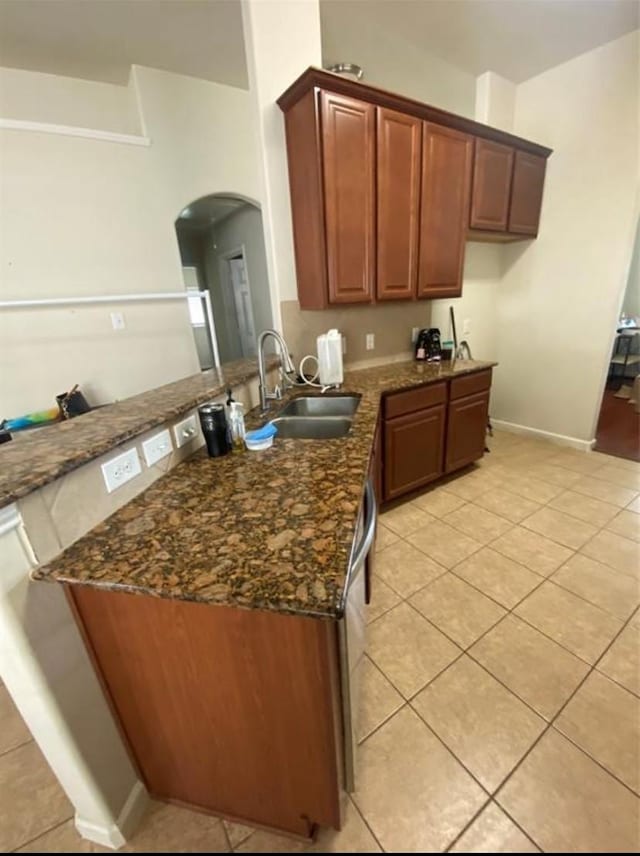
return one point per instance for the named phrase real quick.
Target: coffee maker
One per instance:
(428, 345)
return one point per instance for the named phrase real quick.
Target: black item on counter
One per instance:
(213, 420)
(428, 345)
(72, 403)
(5, 436)
(452, 317)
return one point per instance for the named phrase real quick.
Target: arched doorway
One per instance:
(221, 243)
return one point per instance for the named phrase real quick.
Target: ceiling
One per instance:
(516, 38)
(101, 39)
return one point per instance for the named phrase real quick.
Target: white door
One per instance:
(242, 299)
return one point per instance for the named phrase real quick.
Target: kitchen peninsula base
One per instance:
(232, 711)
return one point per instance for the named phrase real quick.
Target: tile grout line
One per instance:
(491, 801)
(366, 823)
(44, 832)
(547, 723)
(551, 724)
(17, 746)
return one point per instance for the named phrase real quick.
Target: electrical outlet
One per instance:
(414, 334)
(117, 321)
(466, 326)
(344, 345)
(120, 470)
(186, 430)
(371, 341)
(157, 447)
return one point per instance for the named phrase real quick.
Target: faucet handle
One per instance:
(277, 392)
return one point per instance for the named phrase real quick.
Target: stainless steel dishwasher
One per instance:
(352, 631)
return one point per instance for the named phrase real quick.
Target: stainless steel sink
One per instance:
(312, 427)
(322, 405)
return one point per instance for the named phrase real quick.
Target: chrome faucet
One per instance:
(286, 366)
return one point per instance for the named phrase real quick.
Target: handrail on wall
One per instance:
(127, 298)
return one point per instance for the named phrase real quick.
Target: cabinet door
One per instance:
(398, 167)
(493, 165)
(444, 211)
(526, 193)
(413, 450)
(466, 430)
(348, 143)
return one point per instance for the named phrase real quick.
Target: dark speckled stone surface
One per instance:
(36, 457)
(264, 530)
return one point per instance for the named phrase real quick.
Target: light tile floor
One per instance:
(501, 691)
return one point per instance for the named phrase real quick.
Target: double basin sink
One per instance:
(316, 417)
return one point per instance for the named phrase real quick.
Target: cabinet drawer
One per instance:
(470, 384)
(399, 403)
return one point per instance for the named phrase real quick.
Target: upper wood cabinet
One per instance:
(398, 204)
(385, 191)
(446, 183)
(506, 194)
(526, 193)
(492, 169)
(349, 190)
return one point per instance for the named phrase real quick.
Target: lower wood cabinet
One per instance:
(413, 450)
(431, 430)
(466, 430)
(230, 711)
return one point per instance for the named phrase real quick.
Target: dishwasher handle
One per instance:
(369, 528)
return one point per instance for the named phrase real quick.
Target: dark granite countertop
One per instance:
(36, 457)
(264, 530)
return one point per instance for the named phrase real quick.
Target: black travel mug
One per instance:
(213, 420)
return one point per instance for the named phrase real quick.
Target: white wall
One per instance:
(227, 329)
(81, 217)
(37, 97)
(282, 38)
(495, 101)
(482, 272)
(494, 105)
(244, 228)
(559, 297)
(631, 303)
(349, 36)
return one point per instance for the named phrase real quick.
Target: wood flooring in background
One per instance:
(618, 431)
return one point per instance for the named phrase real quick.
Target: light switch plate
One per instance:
(157, 447)
(186, 431)
(371, 341)
(121, 469)
(466, 326)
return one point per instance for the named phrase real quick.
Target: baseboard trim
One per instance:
(115, 835)
(560, 439)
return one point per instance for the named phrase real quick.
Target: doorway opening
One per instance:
(222, 250)
(234, 278)
(618, 431)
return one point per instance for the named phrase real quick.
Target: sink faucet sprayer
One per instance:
(330, 367)
(286, 368)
